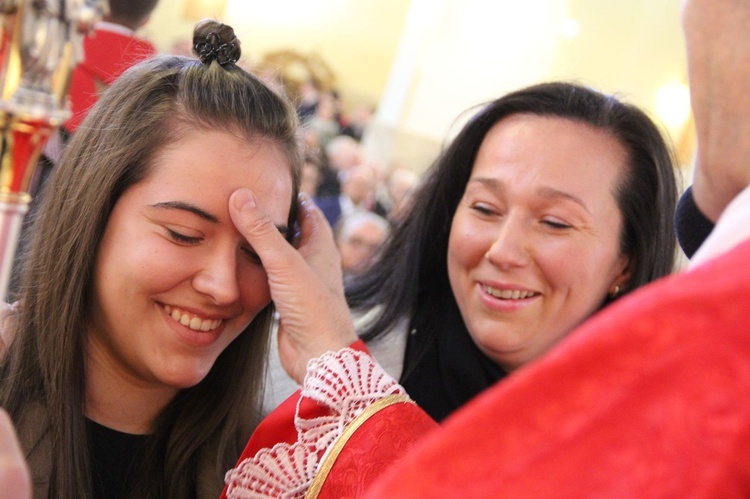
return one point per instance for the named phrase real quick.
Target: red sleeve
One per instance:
(279, 427)
(331, 451)
(382, 440)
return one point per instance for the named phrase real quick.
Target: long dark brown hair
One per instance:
(146, 109)
(412, 271)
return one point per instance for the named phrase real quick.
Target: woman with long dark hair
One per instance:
(445, 313)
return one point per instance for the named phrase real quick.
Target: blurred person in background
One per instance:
(341, 154)
(355, 122)
(359, 237)
(401, 185)
(311, 175)
(359, 186)
(324, 120)
(109, 50)
(309, 91)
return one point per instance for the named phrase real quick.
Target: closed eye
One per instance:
(182, 238)
(483, 210)
(556, 224)
(251, 255)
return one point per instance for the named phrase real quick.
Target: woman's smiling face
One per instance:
(534, 246)
(175, 281)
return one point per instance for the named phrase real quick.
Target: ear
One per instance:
(622, 277)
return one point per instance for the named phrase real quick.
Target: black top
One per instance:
(443, 367)
(113, 455)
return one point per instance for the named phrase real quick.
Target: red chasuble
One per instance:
(649, 399)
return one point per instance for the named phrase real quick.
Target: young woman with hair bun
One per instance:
(140, 334)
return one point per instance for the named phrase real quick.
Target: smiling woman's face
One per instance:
(175, 281)
(534, 245)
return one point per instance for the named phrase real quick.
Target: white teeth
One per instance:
(195, 323)
(508, 294)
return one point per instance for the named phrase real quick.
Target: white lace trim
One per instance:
(346, 382)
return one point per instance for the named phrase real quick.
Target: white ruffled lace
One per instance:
(346, 382)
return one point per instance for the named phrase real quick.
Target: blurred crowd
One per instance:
(360, 196)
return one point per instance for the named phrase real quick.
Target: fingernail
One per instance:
(243, 199)
(306, 202)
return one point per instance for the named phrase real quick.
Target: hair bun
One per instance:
(214, 41)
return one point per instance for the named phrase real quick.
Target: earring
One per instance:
(616, 291)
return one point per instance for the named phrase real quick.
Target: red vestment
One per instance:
(647, 399)
(335, 437)
(651, 398)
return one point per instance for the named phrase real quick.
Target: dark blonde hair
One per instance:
(149, 107)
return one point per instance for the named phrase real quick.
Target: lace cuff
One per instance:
(347, 383)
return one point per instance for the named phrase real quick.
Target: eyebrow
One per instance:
(179, 205)
(549, 192)
(545, 192)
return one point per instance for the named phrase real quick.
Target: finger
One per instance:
(256, 226)
(316, 243)
(313, 223)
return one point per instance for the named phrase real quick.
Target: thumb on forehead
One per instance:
(256, 226)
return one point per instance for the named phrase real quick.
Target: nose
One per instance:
(511, 243)
(218, 278)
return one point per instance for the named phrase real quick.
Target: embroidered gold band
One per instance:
(338, 446)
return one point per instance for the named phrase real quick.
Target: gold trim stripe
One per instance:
(338, 446)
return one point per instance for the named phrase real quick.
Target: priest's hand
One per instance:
(306, 283)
